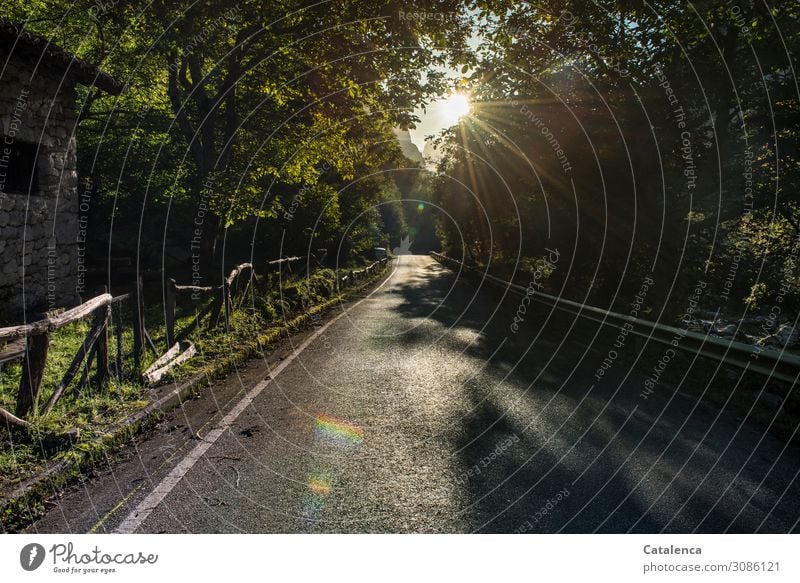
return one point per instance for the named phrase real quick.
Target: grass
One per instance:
(90, 411)
(94, 410)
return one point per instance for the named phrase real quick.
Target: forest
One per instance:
(639, 139)
(249, 130)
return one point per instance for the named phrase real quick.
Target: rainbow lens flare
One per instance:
(320, 485)
(338, 430)
(327, 428)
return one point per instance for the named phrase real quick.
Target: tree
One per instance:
(678, 123)
(231, 111)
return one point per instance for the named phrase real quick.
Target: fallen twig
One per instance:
(178, 354)
(13, 419)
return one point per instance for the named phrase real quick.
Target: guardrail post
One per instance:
(169, 312)
(32, 371)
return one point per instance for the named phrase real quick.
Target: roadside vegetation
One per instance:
(79, 418)
(241, 133)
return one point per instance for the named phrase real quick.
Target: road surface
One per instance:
(419, 410)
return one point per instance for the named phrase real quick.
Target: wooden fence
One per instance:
(351, 277)
(220, 305)
(30, 342)
(35, 338)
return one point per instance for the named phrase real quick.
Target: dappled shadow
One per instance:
(545, 447)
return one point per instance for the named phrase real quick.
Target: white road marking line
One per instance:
(139, 514)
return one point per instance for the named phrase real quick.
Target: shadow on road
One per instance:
(544, 447)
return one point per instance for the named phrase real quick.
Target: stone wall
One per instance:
(39, 229)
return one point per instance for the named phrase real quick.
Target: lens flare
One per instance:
(319, 484)
(343, 435)
(338, 430)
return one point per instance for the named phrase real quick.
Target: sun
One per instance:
(454, 108)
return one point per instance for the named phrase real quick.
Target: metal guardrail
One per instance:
(776, 364)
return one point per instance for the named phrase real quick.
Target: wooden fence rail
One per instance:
(221, 303)
(93, 350)
(285, 262)
(31, 341)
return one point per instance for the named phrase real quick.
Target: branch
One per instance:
(13, 419)
(198, 79)
(183, 120)
(228, 92)
(183, 78)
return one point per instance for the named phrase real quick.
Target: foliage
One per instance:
(638, 138)
(232, 109)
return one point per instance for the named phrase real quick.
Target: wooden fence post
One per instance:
(116, 321)
(102, 318)
(86, 353)
(216, 306)
(138, 326)
(227, 303)
(32, 371)
(169, 313)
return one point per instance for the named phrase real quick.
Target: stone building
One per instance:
(40, 210)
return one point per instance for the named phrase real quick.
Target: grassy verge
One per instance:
(259, 318)
(90, 411)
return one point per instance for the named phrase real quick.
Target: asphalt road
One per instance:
(419, 410)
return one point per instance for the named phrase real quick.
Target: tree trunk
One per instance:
(210, 262)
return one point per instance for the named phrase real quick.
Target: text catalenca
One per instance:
(672, 550)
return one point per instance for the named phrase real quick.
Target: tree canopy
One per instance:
(639, 138)
(250, 119)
